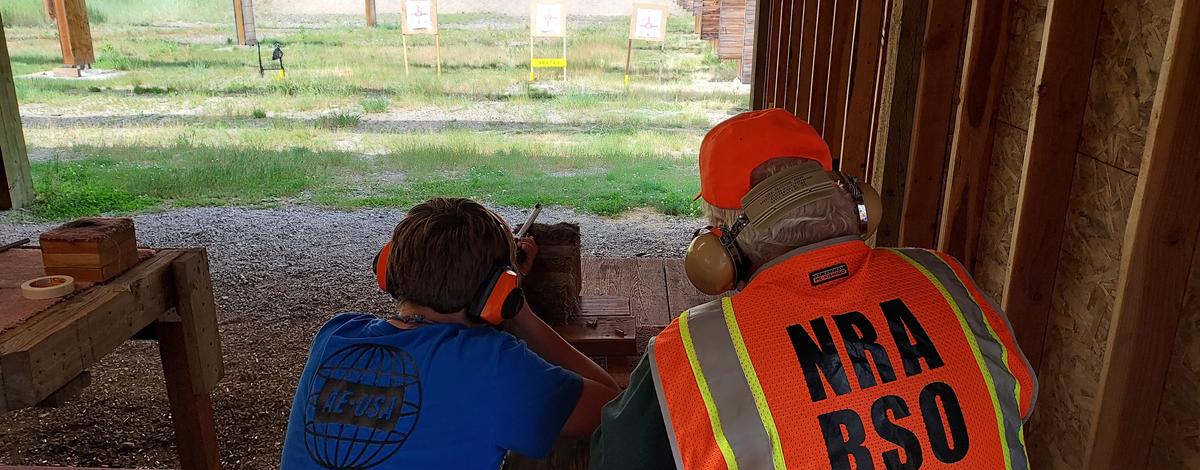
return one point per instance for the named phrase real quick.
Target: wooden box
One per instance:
(91, 249)
(552, 288)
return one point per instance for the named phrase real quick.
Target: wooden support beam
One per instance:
(906, 31)
(821, 56)
(937, 95)
(1056, 121)
(74, 33)
(790, 57)
(868, 37)
(17, 188)
(371, 20)
(243, 20)
(801, 68)
(1160, 242)
(765, 66)
(841, 60)
(971, 154)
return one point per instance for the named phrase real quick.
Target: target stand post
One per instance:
(420, 17)
(647, 22)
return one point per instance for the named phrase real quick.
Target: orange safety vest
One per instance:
(845, 357)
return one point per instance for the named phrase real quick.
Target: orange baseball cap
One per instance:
(735, 147)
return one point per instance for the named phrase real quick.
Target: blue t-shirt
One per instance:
(437, 396)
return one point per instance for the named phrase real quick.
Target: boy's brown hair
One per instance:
(443, 251)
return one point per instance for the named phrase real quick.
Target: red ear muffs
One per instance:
(381, 263)
(500, 297)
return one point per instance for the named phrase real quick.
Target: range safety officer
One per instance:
(831, 354)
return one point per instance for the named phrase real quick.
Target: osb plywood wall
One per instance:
(1177, 433)
(1121, 94)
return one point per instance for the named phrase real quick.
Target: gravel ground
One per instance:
(278, 274)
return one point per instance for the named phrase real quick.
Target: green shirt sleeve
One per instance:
(631, 434)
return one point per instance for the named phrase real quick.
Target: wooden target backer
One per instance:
(547, 20)
(648, 22)
(420, 16)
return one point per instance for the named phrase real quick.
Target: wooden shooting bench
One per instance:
(46, 346)
(626, 301)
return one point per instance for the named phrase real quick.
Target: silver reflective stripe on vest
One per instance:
(722, 372)
(662, 405)
(990, 347)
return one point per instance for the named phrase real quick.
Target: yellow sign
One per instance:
(548, 63)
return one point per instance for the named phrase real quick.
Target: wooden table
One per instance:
(45, 346)
(626, 301)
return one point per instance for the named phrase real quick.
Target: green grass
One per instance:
(190, 122)
(375, 105)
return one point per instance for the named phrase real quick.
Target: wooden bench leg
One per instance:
(191, 412)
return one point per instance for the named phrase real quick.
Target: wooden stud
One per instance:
(17, 188)
(1056, 121)
(1160, 242)
(971, 154)
(860, 104)
(801, 57)
(74, 33)
(840, 62)
(243, 20)
(906, 31)
(821, 49)
(766, 51)
(936, 97)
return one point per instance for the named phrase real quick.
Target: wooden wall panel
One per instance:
(1016, 97)
(710, 20)
(970, 157)
(820, 59)
(731, 37)
(1081, 307)
(937, 94)
(1177, 432)
(802, 68)
(1132, 37)
(17, 184)
(1159, 244)
(746, 69)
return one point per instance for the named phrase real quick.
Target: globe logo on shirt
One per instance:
(362, 404)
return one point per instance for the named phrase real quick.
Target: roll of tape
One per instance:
(49, 287)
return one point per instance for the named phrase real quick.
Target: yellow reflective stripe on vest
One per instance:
(702, 384)
(976, 328)
(760, 398)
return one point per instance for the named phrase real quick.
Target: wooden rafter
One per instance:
(934, 116)
(1056, 121)
(971, 151)
(1160, 242)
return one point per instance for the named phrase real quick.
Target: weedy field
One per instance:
(189, 122)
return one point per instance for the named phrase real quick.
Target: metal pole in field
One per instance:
(404, 40)
(531, 75)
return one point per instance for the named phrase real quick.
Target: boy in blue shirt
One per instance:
(437, 386)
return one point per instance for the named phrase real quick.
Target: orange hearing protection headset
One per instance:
(500, 296)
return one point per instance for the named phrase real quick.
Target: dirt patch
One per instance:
(278, 274)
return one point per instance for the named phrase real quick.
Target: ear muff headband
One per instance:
(715, 263)
(498, 298)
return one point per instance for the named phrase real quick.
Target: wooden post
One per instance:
(1160, 242)
(1064, 75)
(243, 20)
(17, 188)
(48, 8)
(840, 64)
(191, 356)
(936, 96)
(404, 41)
(971, 154)
(74, 33)
(564, 56)
(370, 13)
(897, 103)
(628, 59)
(861, 101)
(437, 50)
